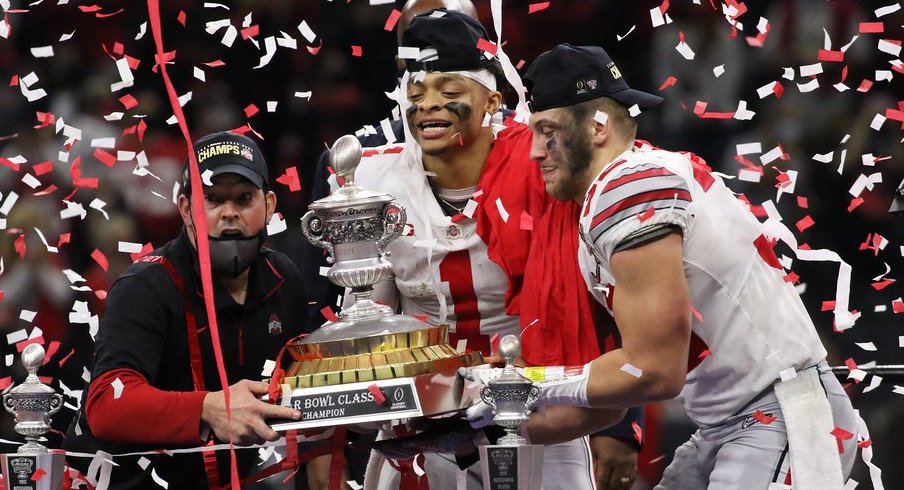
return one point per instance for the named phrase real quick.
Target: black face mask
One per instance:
(232, 255)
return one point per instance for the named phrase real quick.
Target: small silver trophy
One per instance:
(512, 463)
(33, 466)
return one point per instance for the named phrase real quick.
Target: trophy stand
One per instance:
(33, 466)
(372, 364)
(512, 463)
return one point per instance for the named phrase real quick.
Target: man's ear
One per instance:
(270, 200)
(494, 102)
(185, 210)
(600, 128)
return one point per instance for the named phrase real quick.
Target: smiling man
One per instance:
(155, 383)
(697, 294)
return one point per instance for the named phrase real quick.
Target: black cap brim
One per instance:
(630, 96)
(240, 169)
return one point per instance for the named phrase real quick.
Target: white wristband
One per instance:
(568, 391)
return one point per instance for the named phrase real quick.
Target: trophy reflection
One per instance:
(33, 466)
(511, 463)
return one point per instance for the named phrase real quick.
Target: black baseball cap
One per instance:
(453, 35)
(226, 152)
(566, 75)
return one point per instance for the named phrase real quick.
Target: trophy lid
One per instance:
(345, 155)
(32, 359)
(510, 349)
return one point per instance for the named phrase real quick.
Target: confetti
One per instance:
(536, 7)
(632, 370)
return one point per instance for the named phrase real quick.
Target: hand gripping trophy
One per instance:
(372, 364)
(512, 463)
(33, 466)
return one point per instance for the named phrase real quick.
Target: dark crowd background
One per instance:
(348, 89)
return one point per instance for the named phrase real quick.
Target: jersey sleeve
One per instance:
(635, 203)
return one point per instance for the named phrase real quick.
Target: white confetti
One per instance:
(469, 208)
(877, 121)
(142, 29)
(620, 37)
(501, 208)
(269, 51)
(388, 133)
(17, 336)
(601, 117)
(874, 383)
(788, 374)
(809, 86)
(42, 52)
(72, 210)
(117, 388)
(810, 70)
(719, 71)
(867, 346)
(303, 95)
(409, 53)
(634, 110)
(286, 41)
(632, 370)
(889, 9)
(269, 366)
(788, 73)
(199, 74)
(276, 225)
(883, 75)
(103, 142)
(885, 46)
(771, 155)
(824, 158)
(159, 481)
(27, 315)
(306, 31)
(748, 148)
(8, 203)
(766, 90)
(129, 247)
(685, 50)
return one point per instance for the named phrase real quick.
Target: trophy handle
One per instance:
(312, 229)
(56, 402)
(394, 220)
(532, 396)
(9, 404)
(487, 396)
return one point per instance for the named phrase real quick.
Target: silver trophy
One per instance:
(512, 463)
(371, 364)
(33, 466)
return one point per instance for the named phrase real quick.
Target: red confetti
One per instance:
(104, 157)
(42, 168)
(66, 357)
(836, 56)
(392, 20)
(90, 8)
(897, 306)
(38, 474)
(315, 49)
(855, 202)
(45, 118)
(181, 17)
(20, 246)
(133, 62)
(5, 382)
(64, 239)
(494, 343)
(778, 89)
(51, 351)
(763, 418)
(14, 81)
(379, 397)
(356, 51)
(804, 223)
(8, 163)
(327, 313)
(20, 346)
(527, 222)
(696, 313)
(850, 363)
(700, 111)
(250, 31)
(669, 82)
(880, 285)
(791, 277)
(145, 249)
(128, 101)
(422, 318)
(865, 444)
(101, 259)
(290, 179)
(647, 214)
(828, 305)
(214, 63)
(536, 7)
(871, 28)
(764, 247)
(119, 48)
(865, 85)
(251, 110)
(802, 202)
(705, 353)
(638, 432)
(484, 45)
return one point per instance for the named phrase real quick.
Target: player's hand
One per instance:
(479, 415)
(614, 463)
(249, 414)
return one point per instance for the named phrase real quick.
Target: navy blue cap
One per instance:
(454, 37)
(226, 152)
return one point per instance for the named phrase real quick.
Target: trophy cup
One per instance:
(33, 466)
(512, 463)
(371, 364)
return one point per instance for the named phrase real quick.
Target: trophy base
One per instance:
(33, 471)
(512, 467)
(378, 400)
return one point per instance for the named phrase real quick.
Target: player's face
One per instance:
(561, 146)
(233, 206)
(447, 111)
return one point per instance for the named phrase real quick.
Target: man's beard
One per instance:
(574, 150)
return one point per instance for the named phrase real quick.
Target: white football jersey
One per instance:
(749, 324)
(441, 268)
